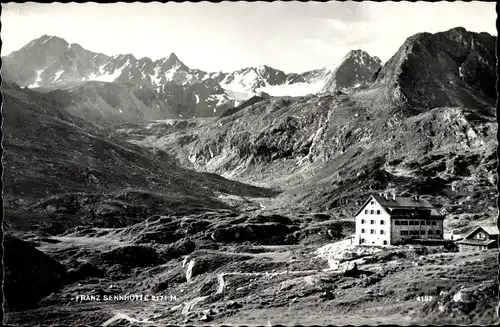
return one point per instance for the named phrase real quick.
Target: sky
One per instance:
(226, 36)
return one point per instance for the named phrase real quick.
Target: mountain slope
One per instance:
(452, 68)
(253, 78)
(356, 68)
(328, 152)
(57, 164)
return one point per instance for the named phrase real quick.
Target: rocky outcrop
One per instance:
(30, 275)
(267, 233)
(467, 304)
(202, 262)
(132, 256)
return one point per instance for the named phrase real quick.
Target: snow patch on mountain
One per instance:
(49, 38)
(37, 80)
(220, 98)
(107, 77)
(293, 90)
(58, 75)
(241, 81)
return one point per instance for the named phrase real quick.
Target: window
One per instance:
(429, 232)
(366, 212)
(371, 212)
(378, 212)
(363, 230)
(372, 202)
(481, 236)
(422, 232)
(422, 222)
(382, 222)
(372, 231)
(404, 232)
(372, 222)
(410, 222)
(438, 232)
(397, 222)
(434, 223)
(385, 242)
(411, 232)
(363, 221)
(382, 232)
(427, 222)
(363, 241)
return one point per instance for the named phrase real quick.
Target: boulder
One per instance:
(233, 305)
(349, 268)
(202, 263)
(327, 295)
(178, 249)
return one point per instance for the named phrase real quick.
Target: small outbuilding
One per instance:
(481, 238)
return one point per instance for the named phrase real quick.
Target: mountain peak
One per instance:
(48, 39)
(358, 53)
(433, 70)
(172, 61)
(458, 29)
(173, 56)
(355, 68)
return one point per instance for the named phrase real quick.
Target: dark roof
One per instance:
(476, 242)
(405, 203)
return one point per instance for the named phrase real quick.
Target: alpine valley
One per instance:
(225, 195)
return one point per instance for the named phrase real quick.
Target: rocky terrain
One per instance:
(327, 152)
(245, 218)
(61, 171)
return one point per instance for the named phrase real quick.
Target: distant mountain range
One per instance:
(165, 88)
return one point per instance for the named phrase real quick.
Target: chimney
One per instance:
(417, 197)
(394, 196)
(385, 196)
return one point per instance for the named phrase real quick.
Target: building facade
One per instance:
(391, 220)
(481, 238)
